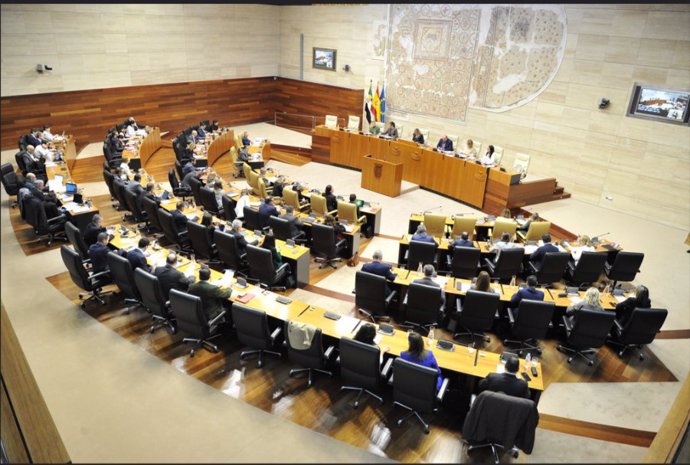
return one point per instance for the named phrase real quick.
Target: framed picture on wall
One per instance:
(667, 105)
(324, 58)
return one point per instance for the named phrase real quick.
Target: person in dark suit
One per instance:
(186, 180)
(193, 137)
(296, 226)
(213, 298)
(417, 136)
(236, 231)
(48, 199)
(246, 141)
(506, 382)
(189, 167)
(137, 257)
(213, 126)
(151, 195)
(202, 131)
(444, 144)
(462, 240)
(136, 187)
(170, 278)
(278, 186)
(30, 162)
(537, 257)
(34, 138)
(331, 199)
(530, 292)
(93, 229)
(98, 253)
(379, 268)
(429, 273)
(422, 236)
(266, 211)
(338, 229)
(641, 300)
(391, 132)
(180, 218)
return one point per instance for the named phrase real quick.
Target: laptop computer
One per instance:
(70, 188)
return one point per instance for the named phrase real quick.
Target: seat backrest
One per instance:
(20, 162)
(253, 180)
(502, 225)
(108, 178)
(229, 205)
(208, 200)
(521, 164)
(261, 265)
(233, 154)
(179, 169)
(348, 212)
(189, 314)
(479, 310)
(370, 292)
(423, 303)
(589, 267)
(195, 185)
(168, 225)
(120, 189)
(36, 216)
(331, 121)
(251, 218)
(353, 123)
(323, 239)
(533, 319)
(421, 252)
(626, 266)
(252, 326)
(122, 274)
(435, 224)
(591, 327)
(151, 208)
(199, 239)
(463, 224)
(308, 358)
(483, 412)
(174, 183)
(133, 205)
(150, 291)
(465, 263)
(553, 267)
(537, 229)
(10, 183)
(75, 267)
(75, 237)
(414, 385)
(318, 204)
(290, 197)
(425, 133)
(498, 154)
(280, 227)
(456, 141)
(643, 325)
(509, 262)
(246, 169)
(263, 192)
(228, 252)
(360, 364)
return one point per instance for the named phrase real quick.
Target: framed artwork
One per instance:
(667, 105)
(324, 58)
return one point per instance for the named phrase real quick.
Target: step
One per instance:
(290, 158)
(558, 190)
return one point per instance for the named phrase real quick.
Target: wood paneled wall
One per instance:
(88, 114)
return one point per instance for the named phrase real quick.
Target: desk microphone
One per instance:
(596, 238)
(432, 209)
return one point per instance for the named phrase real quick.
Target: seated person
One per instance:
(201, 131)
(189, 167)
(179, 218)
(506, 382)
(641, 300)
(444, 144)
(294, 223)
(137, 256)
(331, 199)
(367, 334)
(46, 134)
(483, 283)
(537, 257)
(193, 137)
(378, 267)
(186, 181)
(489, 157)
(417, 136)
(270, 244)
(171, 278)
(236, 231)
(582, 244)
(150, 194)
(469, 151)
(213, 298)
(462, 240)
(34, 138)
(218, 193)
(391, 132)
(43, 152)
(428, 279)
(507, 213)
(530, 292)
(504, 242)
(214, 126)
(278, 186)
(591, 301)
(266, 211)
(422, 236)
(246, 141)
(338, 229)
(416, 353)
(242, 202)
(92, 230)
(48, 199)
(366, 227)
(525, 227)
(98, 253)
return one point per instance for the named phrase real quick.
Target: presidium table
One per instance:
(489, 189)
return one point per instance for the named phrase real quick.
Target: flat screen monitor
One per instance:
(659, 104)
(70, 188)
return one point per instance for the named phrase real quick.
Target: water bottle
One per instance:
(419, 268)
(431, 336)
(512, 281)
(528, 359)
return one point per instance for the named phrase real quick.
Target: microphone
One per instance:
(596, 238)
(432, 209)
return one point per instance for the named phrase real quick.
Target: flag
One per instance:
(376, 104)
(383, 105)
(367, 111)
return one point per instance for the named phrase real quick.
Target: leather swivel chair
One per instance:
(588, 269)
(625, 267)
(261, 268)
(75, 237)
(508, 264)
(324, 245)
(551, 269)
(423, 306)
(464, 262)
(313, 359)
(89, 282)
(419, 252)
(152, 299)
(371, 296)
(477, 314)
(640, 329)
(360, 368)
(281, 230)
(587, 332)
(192, 320)
(532, 322)
(208, 201)
(252, 330)
(229, 252)
(179, 240)
(123, 277)
(200, 240)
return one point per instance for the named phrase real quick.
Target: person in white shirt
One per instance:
(489, 157)
(124, 167)
(47, 134)
(131, 131)
(470, 151)
(584, 244)
(242, 202)
(42, 151)
(504, 243)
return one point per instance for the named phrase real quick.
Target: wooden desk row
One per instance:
(142, 148)
(79, 215)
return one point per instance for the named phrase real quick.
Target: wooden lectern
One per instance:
(381, 176)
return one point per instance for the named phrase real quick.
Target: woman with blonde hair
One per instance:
(583, 244)
(470, 151)
(590, 301)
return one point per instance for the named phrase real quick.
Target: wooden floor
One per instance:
(323, 408)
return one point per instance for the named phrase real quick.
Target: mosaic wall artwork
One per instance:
(446, 58)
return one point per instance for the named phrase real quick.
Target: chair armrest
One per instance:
(100, 274)
(284, 266)
(405, 300)
(167, 303)
(218, 317)
(458, 306)
(276, 333)
(327, 354)
(341, 243)
(566, 323)
(618, 326)
(489, 264)
(333, 213)
(362, 219)
(390, 297)
(243, 256)
(61, 217)
(521, 235)
(510, 316)
(442, 392)
(299, 235)
(532, 267)
(449, 260)
(387, 368)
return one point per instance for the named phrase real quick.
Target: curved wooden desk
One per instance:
(149, 145)
(220, 145)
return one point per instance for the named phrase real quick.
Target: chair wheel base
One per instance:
(570, 359)
(426, 430)
(399, 422)
(590, 363)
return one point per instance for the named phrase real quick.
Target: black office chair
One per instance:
(123, 276)
(551, 269)
(360, 368)
(9, 181)
(200, 241)
(420, 252)
(153, 224)
(196, 186)
(625, 267)
(588, 269)
(138, 216)
(178, 190)
(23, 141)
(120, 188)
(192, 320)
(508, 264)
(208, 201)
(481, 428)
(90, 282)
(371, 297)
(587, 332)
(152, 298)
(532, 323)
(252, 330)
(477, 314)
(109, 179)
(281, 230)
(44, 228)
(639, 330)
(229, 205)
(414, 389)
(314, 359)
(179, 169)
(324, 245)
(261, 268)
(252, 221)
(20, 163)
(464, 262)
(229, 252)
(75, 237)
(179, 240)
(423, 306)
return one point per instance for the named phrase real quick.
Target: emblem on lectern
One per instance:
(378, 169)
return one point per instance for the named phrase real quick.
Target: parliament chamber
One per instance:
(245, 257)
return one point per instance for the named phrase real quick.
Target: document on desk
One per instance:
(225, 280)
(462, 287)
(441, 281)
(575, 299)
(529, 249)
(620, 298)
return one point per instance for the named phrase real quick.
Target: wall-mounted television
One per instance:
(666, 105)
